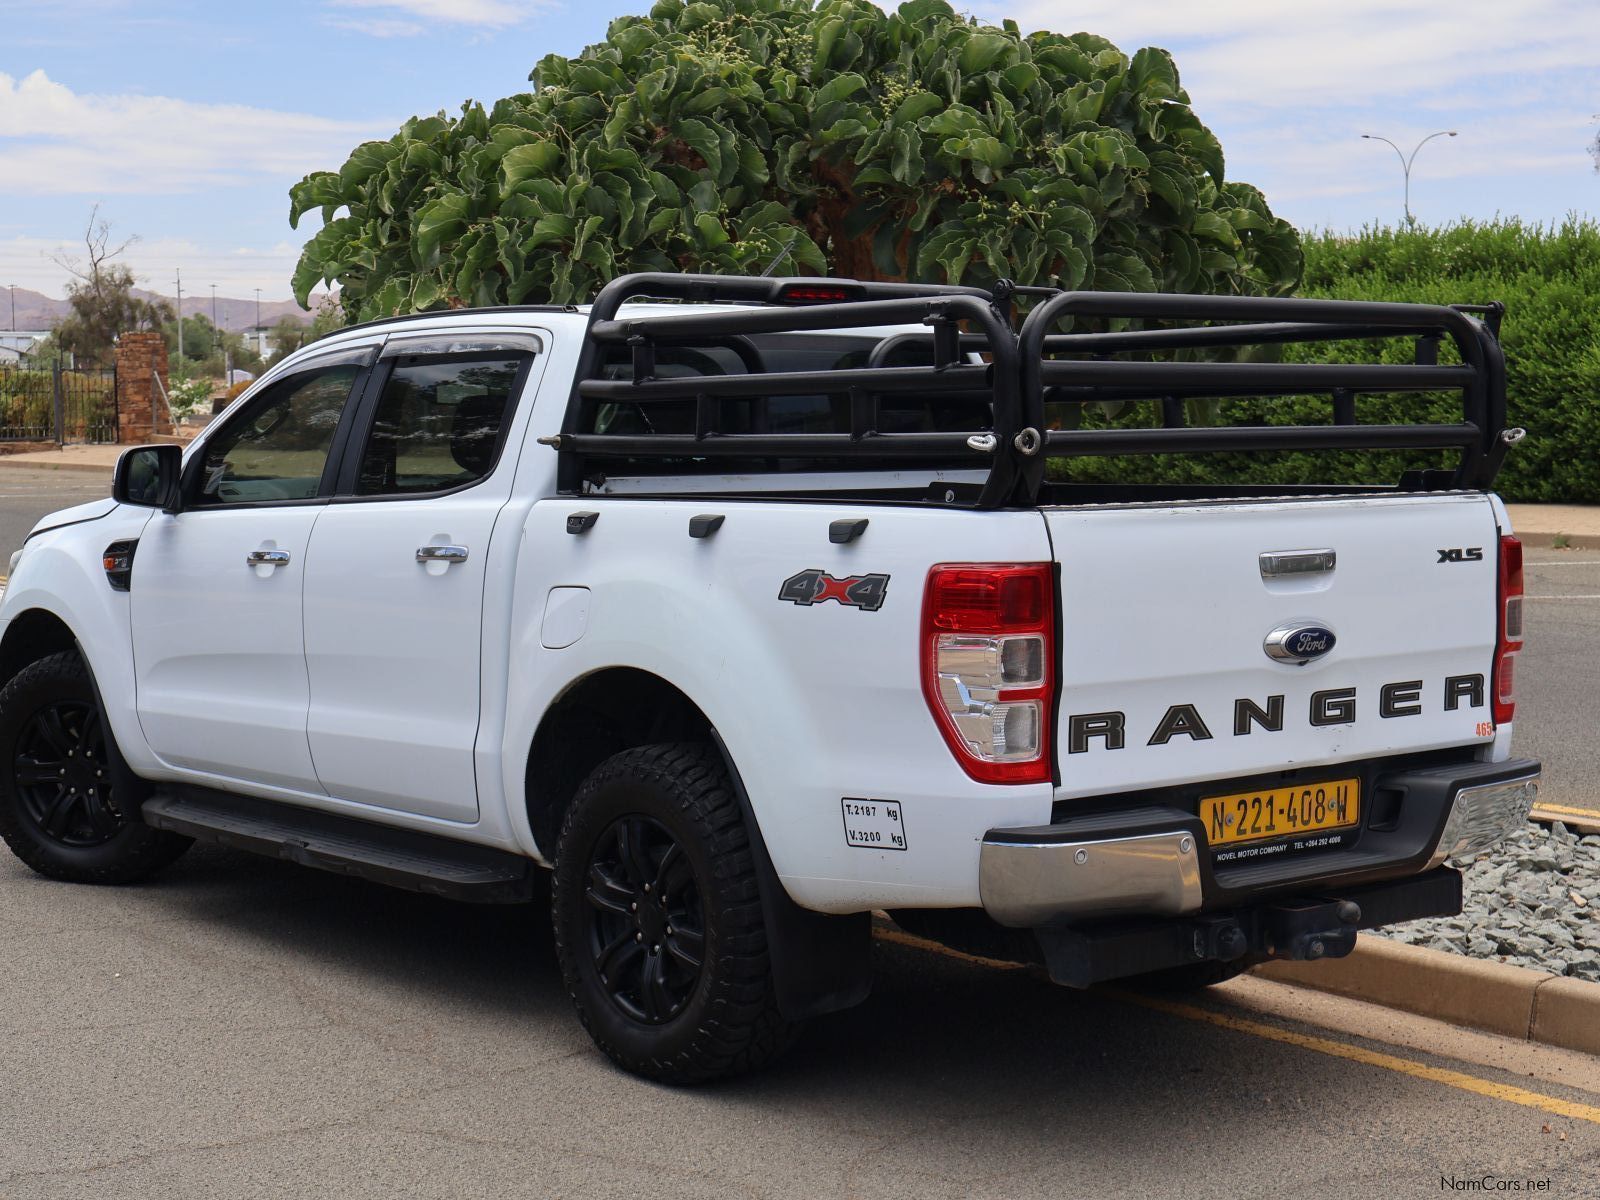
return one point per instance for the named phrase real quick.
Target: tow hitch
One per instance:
(1304, 928)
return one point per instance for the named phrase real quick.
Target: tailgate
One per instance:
(1166, 612)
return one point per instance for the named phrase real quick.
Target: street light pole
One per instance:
(214, 324)
(1405, 162)
(179, 277)
(13, 289)
(259, 346)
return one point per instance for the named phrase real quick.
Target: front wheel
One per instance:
(658, 919)
(59, 810)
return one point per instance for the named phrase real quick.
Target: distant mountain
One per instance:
(38, 311)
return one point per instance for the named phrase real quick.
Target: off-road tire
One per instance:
(105, 843)
(728, 1022)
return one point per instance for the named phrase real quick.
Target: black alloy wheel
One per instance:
(61, 775)
(69, 805)
(658, 920)
(646, 924)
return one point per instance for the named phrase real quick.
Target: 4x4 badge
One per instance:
(816, 586)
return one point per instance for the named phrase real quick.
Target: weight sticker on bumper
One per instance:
(873, 824)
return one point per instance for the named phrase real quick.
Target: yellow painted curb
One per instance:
(1501, 998)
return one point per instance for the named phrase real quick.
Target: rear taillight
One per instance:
(1509, 641)
(988, 666)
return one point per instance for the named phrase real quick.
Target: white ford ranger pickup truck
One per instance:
(730, 611)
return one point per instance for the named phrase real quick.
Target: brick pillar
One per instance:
(140, 358)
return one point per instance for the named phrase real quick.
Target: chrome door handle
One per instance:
(267, 558)
(444, 554)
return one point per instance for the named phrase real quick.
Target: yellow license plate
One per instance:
(1281, 811)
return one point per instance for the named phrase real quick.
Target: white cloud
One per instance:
(483, 14)
(1289, 89)
(55, 141)
(379, 27)
(1266, 52)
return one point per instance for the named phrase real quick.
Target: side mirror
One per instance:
(149, 476)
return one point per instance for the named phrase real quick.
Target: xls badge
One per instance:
(816, 586)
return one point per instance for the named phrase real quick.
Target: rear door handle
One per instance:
(267, 558)
(444, 554)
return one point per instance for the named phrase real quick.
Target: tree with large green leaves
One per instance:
(721, 135)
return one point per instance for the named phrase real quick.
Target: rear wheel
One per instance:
(59, 810)
(658, 920)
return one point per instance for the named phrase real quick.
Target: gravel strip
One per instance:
(1533, 900)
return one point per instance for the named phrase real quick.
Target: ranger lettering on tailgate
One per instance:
(1330, 706)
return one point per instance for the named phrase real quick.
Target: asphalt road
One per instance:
(1558, 693)
(26, 495)
(246, 1028)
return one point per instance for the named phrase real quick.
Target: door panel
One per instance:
(217, 643)
(218, 636)
(395, 586)
(392, 649)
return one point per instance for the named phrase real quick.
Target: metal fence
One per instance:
(58, 404)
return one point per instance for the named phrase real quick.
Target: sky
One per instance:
(187, 123)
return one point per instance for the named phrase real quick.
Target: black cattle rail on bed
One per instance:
(1479, 378)
(976, 351)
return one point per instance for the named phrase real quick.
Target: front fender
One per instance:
(60, 573)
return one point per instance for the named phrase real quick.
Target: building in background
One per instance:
(15, 343)
(255, 338)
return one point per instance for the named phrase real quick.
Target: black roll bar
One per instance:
(943, 308)
(1024, 370)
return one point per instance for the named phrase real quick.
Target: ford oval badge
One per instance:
(1298, 644)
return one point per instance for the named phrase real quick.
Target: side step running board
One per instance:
(417, 862)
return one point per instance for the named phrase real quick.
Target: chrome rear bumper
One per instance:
(1029, 883)
(1155, 863)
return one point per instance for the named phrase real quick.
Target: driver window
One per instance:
(278, 447)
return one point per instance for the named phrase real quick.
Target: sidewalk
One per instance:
(1578, 525)
(75, 458)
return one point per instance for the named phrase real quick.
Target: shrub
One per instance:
(1548, 278)
(188, 396)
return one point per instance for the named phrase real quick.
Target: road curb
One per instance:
(1512, 1001)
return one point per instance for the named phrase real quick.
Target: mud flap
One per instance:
(820, 963)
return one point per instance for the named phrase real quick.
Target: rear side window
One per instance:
(439, 424)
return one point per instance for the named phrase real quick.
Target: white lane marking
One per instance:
(1589, 562)
(1591, 596)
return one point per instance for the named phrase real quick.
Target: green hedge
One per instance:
(1549, 280)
